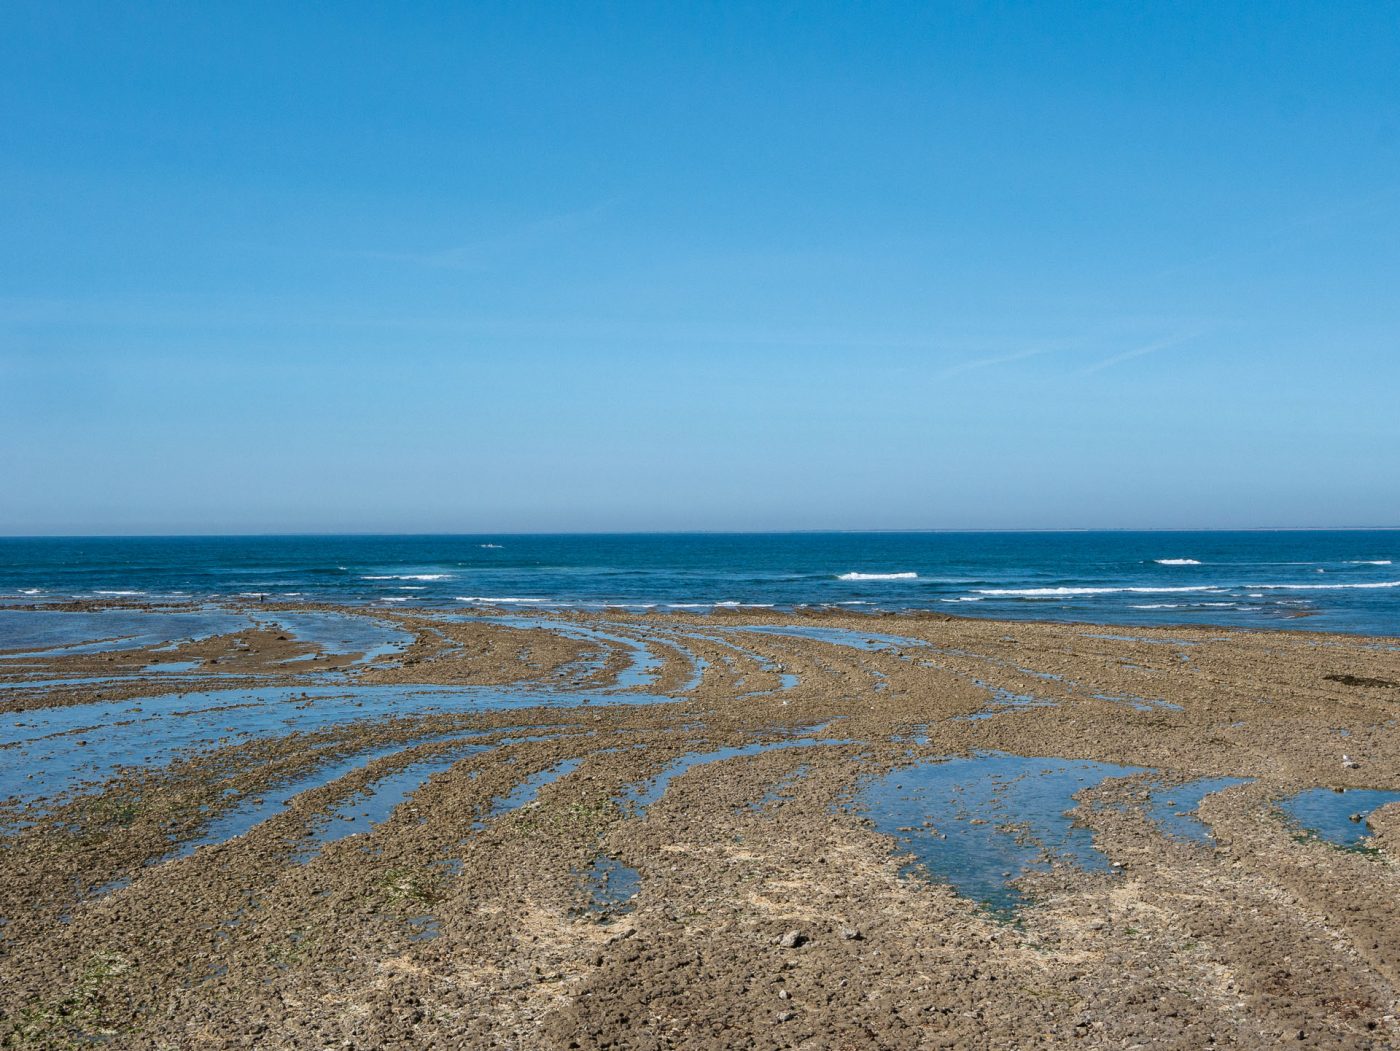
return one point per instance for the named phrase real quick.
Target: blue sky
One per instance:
(454, 267)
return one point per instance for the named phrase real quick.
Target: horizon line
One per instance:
(273, 534)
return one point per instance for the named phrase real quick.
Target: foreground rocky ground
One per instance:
(654, 832)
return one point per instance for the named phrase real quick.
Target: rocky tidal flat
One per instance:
(311, 826)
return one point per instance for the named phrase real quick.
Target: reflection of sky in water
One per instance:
(1174, 809)
(643, 665)
(242, 816)
(859, 640)
(101, 631)
(610, 886)
(1327, 812)
(979, 822)
(55, 749)
(642, 794)
(49, 633)
(339, 634)
(524, 793)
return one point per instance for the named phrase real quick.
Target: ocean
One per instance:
(1346, 581)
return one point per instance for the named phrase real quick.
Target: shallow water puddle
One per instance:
(642, 669)
(610, 886)
(372, 804)
(1003, 700)
(677, 643)
(57, 634)
(1138, 704)
(339, 634)
(698, 665)
(1175, 809)
(51, 633)
(786, 679)
(637, 797)
(174, 667)
(423, 928)
(781, 788)
(982, 821)
(47, 751)
(918, 734)
(1336, 815)
(524, 793)
(869, 641)
(244, 816)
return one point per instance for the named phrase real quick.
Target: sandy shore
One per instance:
(667, 831)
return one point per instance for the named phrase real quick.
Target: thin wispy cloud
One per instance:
(999, 359)
(1139, 352)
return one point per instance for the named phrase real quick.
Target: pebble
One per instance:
(792, 939)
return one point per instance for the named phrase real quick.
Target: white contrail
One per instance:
(1138, 352)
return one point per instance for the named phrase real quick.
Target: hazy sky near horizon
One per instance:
(446, 267)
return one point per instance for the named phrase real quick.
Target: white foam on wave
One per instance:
(1063, 591)
(30, 591)
(506, 598)
(728, 604)
(492, 547)
(963, 598)
(410, 576)
(878, 576)
(1325, 587)
(1377, 562)
(1194, 605)
(119, 592)
(1176, 561)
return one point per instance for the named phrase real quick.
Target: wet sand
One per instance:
(743, 829)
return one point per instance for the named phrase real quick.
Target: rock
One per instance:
(784, 1016)
(792, 939)
(1357, 818)
(851, 934)
(783, 994)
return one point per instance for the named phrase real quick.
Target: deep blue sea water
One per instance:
(1331, 581)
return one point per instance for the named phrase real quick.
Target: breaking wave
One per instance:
(1057, 592)
(878, 576)
(1325, 587)
(1176, 561)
